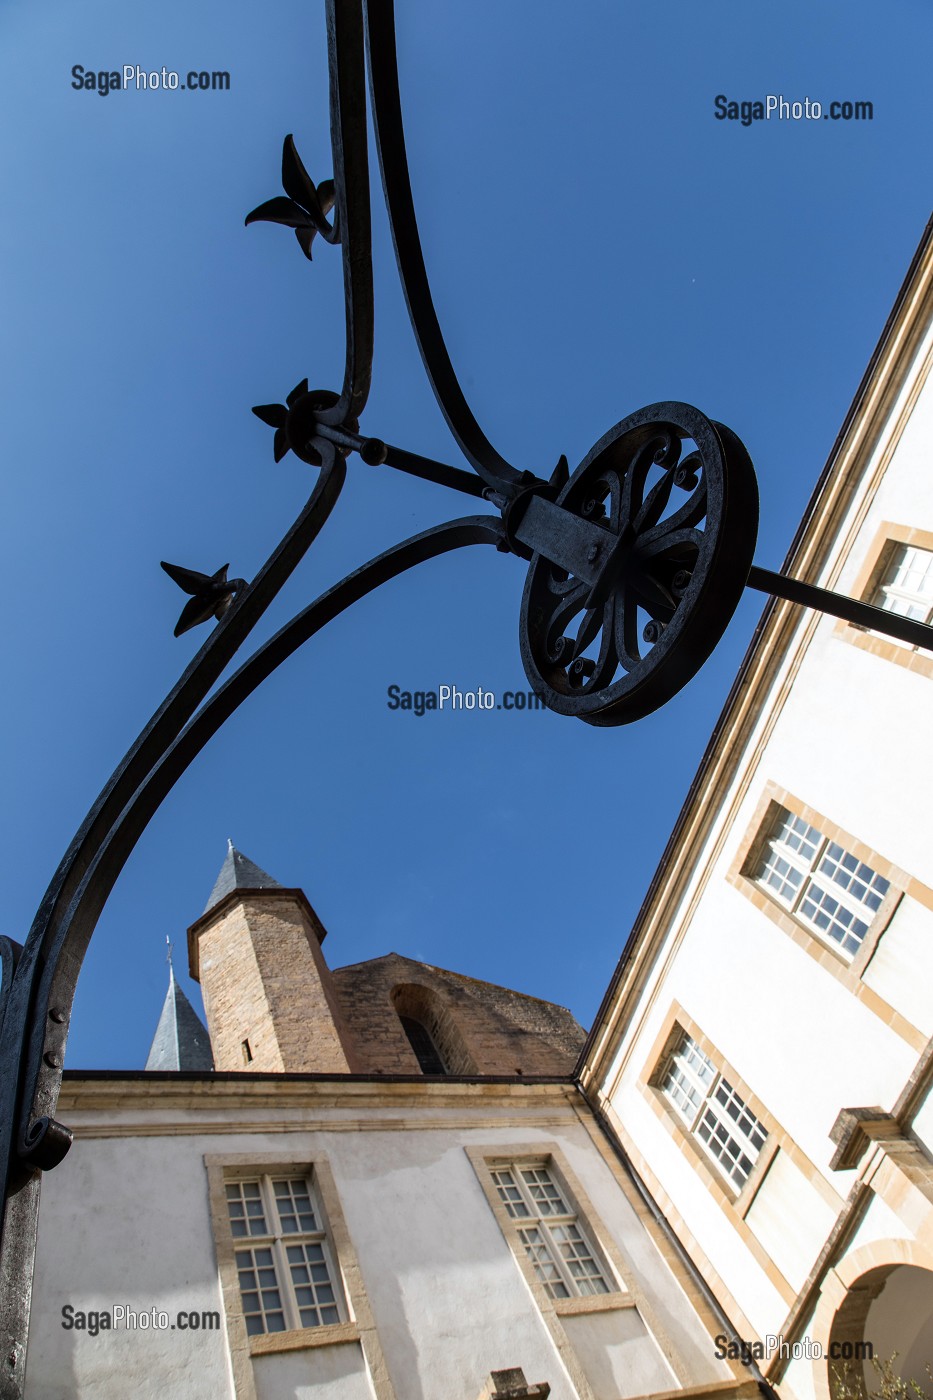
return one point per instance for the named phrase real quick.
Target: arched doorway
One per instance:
(887, 1311)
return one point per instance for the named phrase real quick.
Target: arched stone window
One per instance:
(419, 1038)
(431, 1030)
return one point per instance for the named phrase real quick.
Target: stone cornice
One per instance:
(106, 1091)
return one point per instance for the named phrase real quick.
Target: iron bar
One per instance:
(378, 453)
(347, 68)
(396, 184)
(37, 998)
(865, 615)
(439, 472)
(58, 984)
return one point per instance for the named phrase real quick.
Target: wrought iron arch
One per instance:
(636, 564)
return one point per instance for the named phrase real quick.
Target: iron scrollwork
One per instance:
(618, 617)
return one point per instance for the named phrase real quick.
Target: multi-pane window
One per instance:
(712, 1110)
(826, 886)
(906, 586)
(561, 1254)
(287, 1278)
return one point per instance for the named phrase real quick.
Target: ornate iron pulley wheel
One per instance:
(631, 596)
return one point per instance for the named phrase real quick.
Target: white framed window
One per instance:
(906, 583)
(817, 879)
(283, 1259)
(561, 1254)
(712, 1110)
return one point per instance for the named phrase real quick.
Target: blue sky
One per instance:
(596, 241)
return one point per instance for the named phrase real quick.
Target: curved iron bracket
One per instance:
(497, 473)
(40, 1139)
(37, 982)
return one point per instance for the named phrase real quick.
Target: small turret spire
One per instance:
(180, 1041)
(238, 872)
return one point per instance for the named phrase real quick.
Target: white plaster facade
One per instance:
(437, 1296)
(833, 725)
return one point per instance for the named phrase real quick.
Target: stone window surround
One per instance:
(224, 1167)
(625, 1294)
(866, 583)
(530, 1213)
(850, 972)
(679, 1079)
(734, 1203)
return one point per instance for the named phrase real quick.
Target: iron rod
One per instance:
(439, 472)
(424, 467)
(866, 615)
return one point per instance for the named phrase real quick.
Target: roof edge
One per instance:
(461, 976)
(236, 896)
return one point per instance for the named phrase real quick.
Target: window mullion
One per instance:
(525, 1193)
(559, 1262)
(267, 1196)
(286, 1292)
(278, 1255)
(707, 1101)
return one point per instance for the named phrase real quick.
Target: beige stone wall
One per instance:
(273, 1005)
(479, 1028)
(266, 986)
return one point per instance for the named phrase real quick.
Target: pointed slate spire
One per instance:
(180, 1041)
(238, 872)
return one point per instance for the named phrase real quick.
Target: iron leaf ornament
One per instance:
(212, 594)
(307, 206)
(298, 420)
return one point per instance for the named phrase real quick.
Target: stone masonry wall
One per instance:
(493, 1030)
(265, 981)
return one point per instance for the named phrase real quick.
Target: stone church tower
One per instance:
(273, 1004)
(268, 993)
